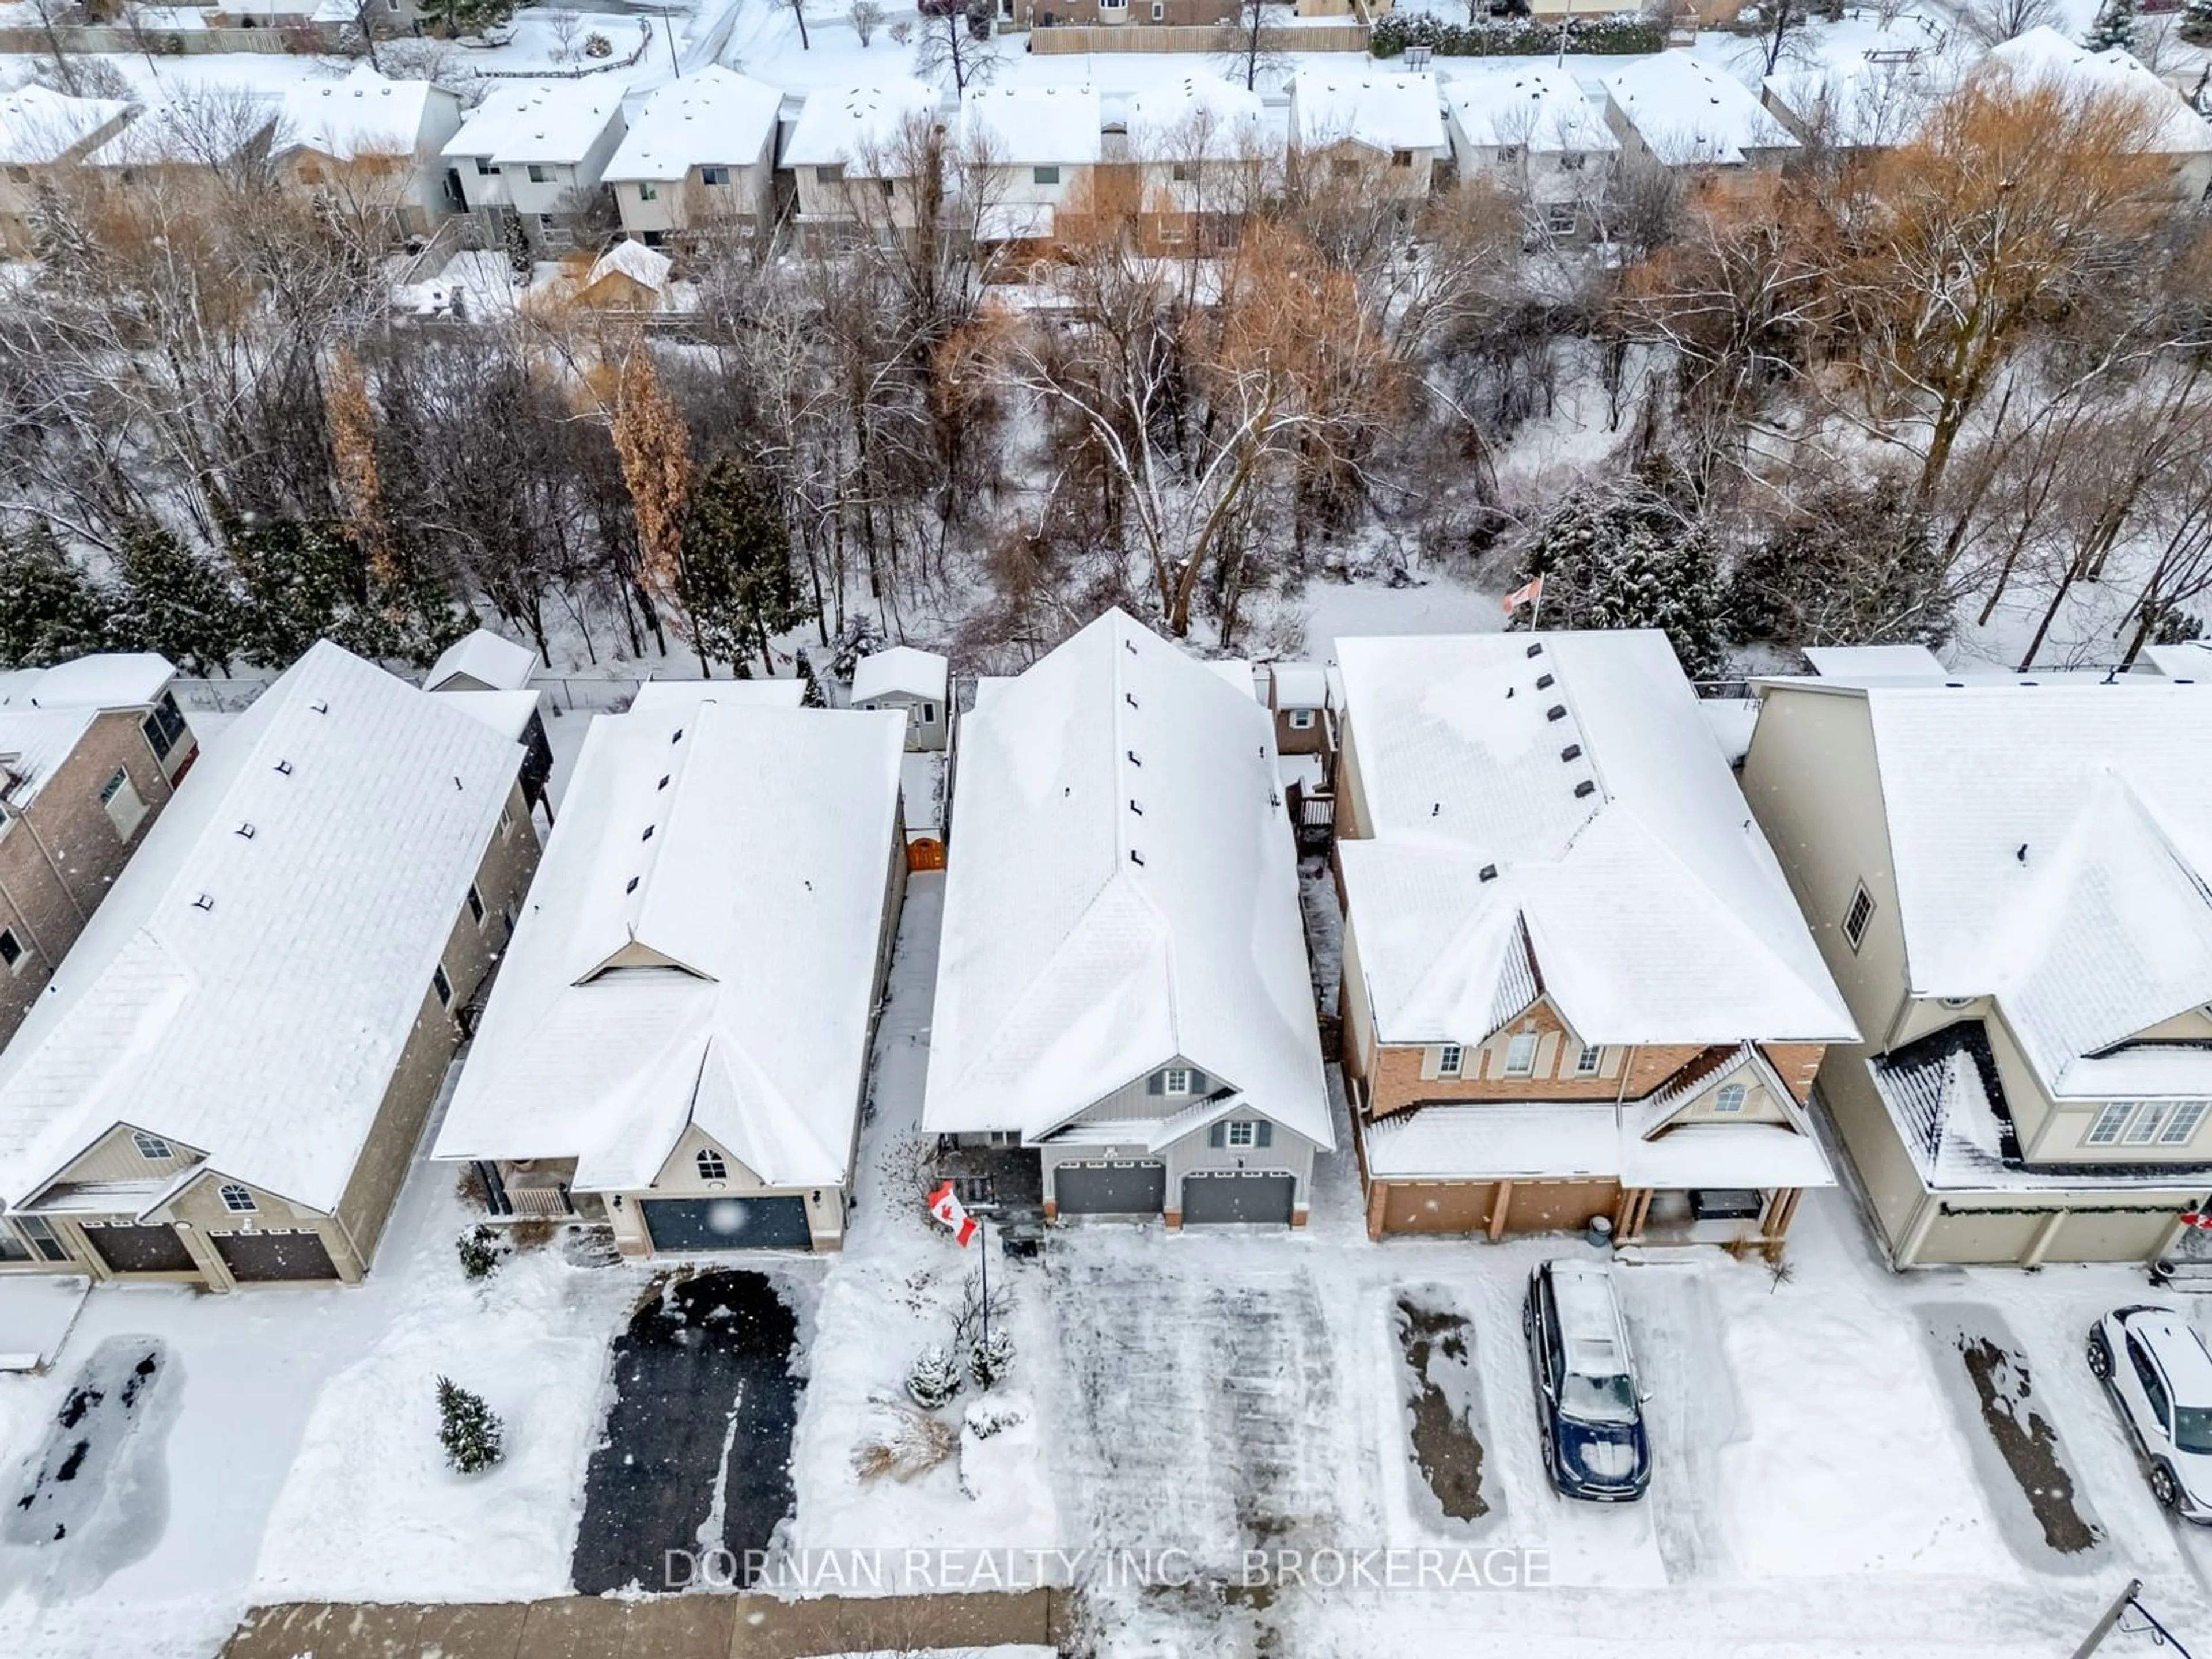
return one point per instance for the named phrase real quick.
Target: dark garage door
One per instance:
(728, 1224)
(1262, 1197)
(142, 1250)
(1111, 1188)
(261, 1257)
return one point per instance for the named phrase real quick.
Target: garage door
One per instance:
(1251, 1196)
(271, 1257)
(142, 1250)
(1438, 1206)
(1118, 1189)
(728, 1224)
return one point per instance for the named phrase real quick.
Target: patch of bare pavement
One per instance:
(1434, 1339)
(703, 1626)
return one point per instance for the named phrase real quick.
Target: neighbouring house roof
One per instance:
(37, 126)
(1583, 837)
(554, 123)
(646, 267)
(507, 713)
(900, 668)
(1123, 891)
(1866, 663)
(2042, 56)
(44, 712)
(363, 114)
(1201, 117)
(1026, 126)
(1690, 113)
(1857, 104)
(206, 130)
(250, 994)
(854, 126)
(733, 862)
(492, 661)
(712, 117)
(1300, 685)
(1381, 111)
(682, 695)
(1584, 1139)
(1540, 107)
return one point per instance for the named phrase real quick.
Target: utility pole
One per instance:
(2103, 1627)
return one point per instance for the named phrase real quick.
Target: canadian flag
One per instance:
(949, 1210)
(1528, 593)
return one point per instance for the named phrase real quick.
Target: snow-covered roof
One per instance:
(481, 660)
(900, 668)
(1122, 892)
(1539, 107)
(37, 126)
(2189, 660)
(249, 994)
(663, 696)
(1300, 685)
(2042, 56)
(852, 126)
(699, 948)
(44, 712)
(1200, 116)
(1853, 104)
(1554, 809)
(205, 130)
(1868, 664)
(507, 713)
(1028, 125)
(1689, 113)
(554, 123)
(649, 267)
(712, 117)
(1585, 1139)
(363, 114)
(1366, 105)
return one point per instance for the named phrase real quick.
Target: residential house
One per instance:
(43, 136)
(1530, 132)
(853, 156)
(918, 684)
(1855, 106)
(1674, 111)
(225, 1080)
(1122, 987)
(700, 152)
(192, 143)
(1029, 154)
(2173, 131)
(2008, 877)
(1186, 162)
(369, 149)
(678, 1042)
(1575, 984)
(1384, 132)
(90, 753)
(537, 151)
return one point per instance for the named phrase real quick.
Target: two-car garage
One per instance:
(767, 1222)
(1139, 1188)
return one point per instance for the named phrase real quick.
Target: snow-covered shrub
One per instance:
(598, 45)
(988, 1417)
(915, 1443)
(934, 1378)
(1856, 565)
(867, 18)
(990, 1359)
(902, 31)
(468, 1429)
(479, 1251)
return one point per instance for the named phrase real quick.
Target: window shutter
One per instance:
(1431, 1060)
(1156, 1083)
(1263, 1133)
(1218, 1134)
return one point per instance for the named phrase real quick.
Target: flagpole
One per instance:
(1536, 610)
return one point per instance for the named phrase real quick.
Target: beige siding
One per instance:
(116, 1157)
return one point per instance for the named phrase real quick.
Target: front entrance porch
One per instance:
(1736, 1218)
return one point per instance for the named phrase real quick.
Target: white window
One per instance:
(2143, 1127)
(442, 986)
(1302, 719)
(2182, 1126)
(714, 175)
(1730, 1098)
(476, 905)
(1159, 10)
(1044, 175)
(539, 174)
(1241, 1134)
(711, 1167)
(119, 797)
(1449, 1059)
(1176, 1080)
(1509, 154)
(1181, 172)
(12, 953)
(1589, 1062)
(1559, 218)
(152, 1148)
(2109, 1123)
(506, 819)
(1520, 1054)
(647, 191)
(238, 1201)
(1856, 918)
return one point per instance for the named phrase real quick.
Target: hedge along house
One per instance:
(90, 753)
(1574, 982)
(678, 1042)
(1122, 984)
(226, 1081)
(2009, 878)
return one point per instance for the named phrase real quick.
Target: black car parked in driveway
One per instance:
(1587, 1404)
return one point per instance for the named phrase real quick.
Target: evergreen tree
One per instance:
(470, 1432)
(933, 1379)
(1626, 554)
(739, 586)
(991, 1358)
(50, 609)
(1856, 565)
(453, 18)
(2197, 29)
(172, 600)
(2115, 27)
(479, 1249)
(309, 580)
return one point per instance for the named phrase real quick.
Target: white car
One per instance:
(2157, 1369)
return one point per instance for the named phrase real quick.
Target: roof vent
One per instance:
(679, 737)
(1134, 807)
(2021, 855)
(1585, 787)
(1508, 691)
(1543, 681)
(244, 832)
(1135, 857)
(319, 706)
(1558, 711)
(1129, 644)
(1488, 873)
(1133, 761)
(1129, 697)
(647, 835)
(663, 784)
(630, 886)
(205, 902)
(1535, 650)
(1573, 751)
(284, 767)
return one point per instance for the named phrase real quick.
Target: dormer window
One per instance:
(711, 1166)
(152, 1148)
(1731, 1099)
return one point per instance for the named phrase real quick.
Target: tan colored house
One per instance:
(853, 155)
(1673, 111)
(226, 1080)
(1574, 982)
(369, 149)
(43, 136)
(1365, 125)
(700, 154)
(89, 754)
(1123, 988)
(2008, 878)
(679, 1044)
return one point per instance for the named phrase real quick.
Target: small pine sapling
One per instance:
(471, 1433)
(934, 1378)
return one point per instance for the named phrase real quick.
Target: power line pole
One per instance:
(2104, 1626)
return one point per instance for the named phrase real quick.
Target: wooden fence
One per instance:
(167, 43)
(1199, 37)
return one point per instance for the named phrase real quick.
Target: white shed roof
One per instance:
(1034, 126)
(733, 862)
(552, 122)
(494, 662)
(1366, 105)
(853, 126)
(680, 696)
(249, 994)
(901, 668)
(712, 117)
(1122, 891)
(649, 267)
(1689, 113)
